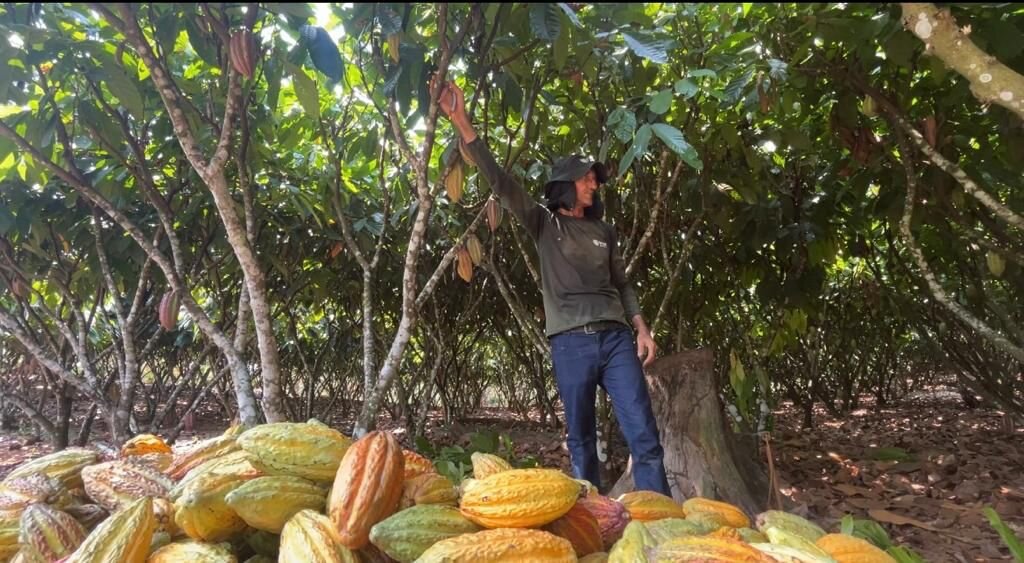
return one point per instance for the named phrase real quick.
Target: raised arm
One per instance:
(645, 347)
(510, 192)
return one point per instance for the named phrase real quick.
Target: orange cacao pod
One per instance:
(581, 529)
(429, 488)
(415, 464)
(645, 506)
(367, 487)
(145, 444)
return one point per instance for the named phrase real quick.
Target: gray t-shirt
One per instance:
(583, 277)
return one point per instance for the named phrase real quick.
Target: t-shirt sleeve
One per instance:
(618, 274)
(510, 192)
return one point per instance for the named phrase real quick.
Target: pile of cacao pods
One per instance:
(304, 492)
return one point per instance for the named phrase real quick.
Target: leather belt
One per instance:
(595, 327)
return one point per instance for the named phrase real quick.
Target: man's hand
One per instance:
(646, 349)
(453, 104)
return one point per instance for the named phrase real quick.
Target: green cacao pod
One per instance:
(405, 535)
(267, 503)
(309, 450)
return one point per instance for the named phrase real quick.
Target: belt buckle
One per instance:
(588, 329)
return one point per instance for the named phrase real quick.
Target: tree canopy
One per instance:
(257, 206)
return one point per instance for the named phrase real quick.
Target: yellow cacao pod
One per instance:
(367, 488)
(8, 536)
(476, 251)
(193, 552)
(415, 464)
(429, 488)
(779, 536)
(202, 512)
(996, 263)
(309, 450)
(267, 503)
(51, 533)
(485, 465)
(199, 454)
(65, 466)
(519, 498)
(123, 538)
(499, 545)
(734, 516)
(17, 494)
(236, 463)
(645, 506)
(468, 158)
(145, 444)
(455, 181)
(116, 483)
(787, 554)
(309, 537)
(697, 548)
(670, 528)
(848, 549)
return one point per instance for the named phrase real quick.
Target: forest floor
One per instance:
(925, 468)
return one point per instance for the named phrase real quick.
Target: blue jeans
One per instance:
(607, 358)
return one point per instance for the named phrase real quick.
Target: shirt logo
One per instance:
(600, 243)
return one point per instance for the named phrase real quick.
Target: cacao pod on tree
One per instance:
(243, 52)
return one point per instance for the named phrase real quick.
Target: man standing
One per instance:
(586, 301)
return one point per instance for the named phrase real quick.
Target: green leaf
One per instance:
(900, 48)
(746, 8)
(306, 92)
(639, 147)
(104, 124)
(622, 123)
(1005, 533)
(297, 9)
(8, 110)
(545, 21)
(686, 88)
(561, 50)
(166, 31)
(661, 102)
(904, 554)
(125, 90)
(734, 90)
(674, 139)
(650, 49)
(702, 73)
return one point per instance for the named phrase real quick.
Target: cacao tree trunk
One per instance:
(702, 456)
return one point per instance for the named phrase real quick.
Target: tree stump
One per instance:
(703, 457)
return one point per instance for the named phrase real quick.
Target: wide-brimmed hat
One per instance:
(572, 168)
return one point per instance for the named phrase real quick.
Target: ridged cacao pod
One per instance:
(88, 515)
(416, 465)
(499, 545)
(464, 264)
(267, 503)
(849, 549)
(670, 528)
(429, 488)
(780, 536)
(145, 444)
(485, 465)
(635, 544)
(243, 51)
(611, 515)
(453, 183)
(8, 536)
(116, 483)
(159, 461)
(236, 463)
(167, 312)
(28, 555)
(697, 548)
(468, 158)
(202, 452)
(17, 494)
(708, 521)
(494, 214)
(163, 511)
(519, 498)
(309, 450)
(65, 466)
(752, 536)
(123, 538)
(201, 511)
(581, 529)
(51, 533)
(309, 537)
(733, 515)
(476, 252)
(787, 554)
(193, 552)
(645, 506)
(405, 535)
(791, 523)
(367, 487)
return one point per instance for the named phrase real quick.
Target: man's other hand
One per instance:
(646, 349)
